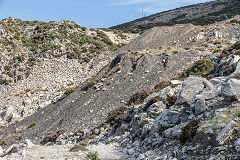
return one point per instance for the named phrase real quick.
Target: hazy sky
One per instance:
(88, 13)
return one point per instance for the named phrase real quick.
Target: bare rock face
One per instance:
(200, 106)
(156, 108)
(226, 132)
(191, 87)
(231, 89)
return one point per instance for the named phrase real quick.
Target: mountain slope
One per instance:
(199, 14)
(170, 39)
(41, 61)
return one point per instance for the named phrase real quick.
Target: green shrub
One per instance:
(6, 82)
(86, 59)
(90, 84)
(174, 52)
(7, 68)
(92, 156)
(117, 115)
(69, 90)
(234, 21)
(19, 77)
(19, 58)
(199, 68)
(33, 124)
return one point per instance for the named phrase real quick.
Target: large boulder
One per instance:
(166, 119)
(174, 132)
(190, 88)
(231, 89)
(156, 108)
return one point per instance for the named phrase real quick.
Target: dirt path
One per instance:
(62, 152)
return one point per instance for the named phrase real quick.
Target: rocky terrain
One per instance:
(40, 62)
(171, 93)
(199, 14)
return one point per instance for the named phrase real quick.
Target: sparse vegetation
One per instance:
(162, 84)
(48, 40)
(171, 100)
(93, 156)
(32, 124)
(69, 90)
(78, 148)
(174, 52)
(152, 101)
(199, 68)
(189, 131)
(117, 115)
(138, 97)
(90, 84)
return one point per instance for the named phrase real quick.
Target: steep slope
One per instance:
(113, 85)
(23, 42)
(169, 39)
(40, 61)
(152, 104)
(199, 14)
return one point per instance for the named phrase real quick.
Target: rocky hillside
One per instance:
(169, 94)
(23, 42)
(40, 62)
(199, 14)
(183, 37)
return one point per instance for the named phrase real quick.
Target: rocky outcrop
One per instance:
(230, 89)
(88, 107)
(191, 87)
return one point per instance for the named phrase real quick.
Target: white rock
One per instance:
(1, 150)
(237, 144)
(235, 59)
(29, 143)
(224, 134)
(210, 131)
(27, 102)
(131, 151)
(141, 157)
(176, 82)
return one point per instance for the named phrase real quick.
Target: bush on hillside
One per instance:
(189, 131)
(138, 97)
(117, 115)
(69, 91)
(199, 68)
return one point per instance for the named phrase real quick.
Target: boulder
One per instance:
(231, 89)
(174, 132)
(162, 93)
(1, 150)
(226, 132)
(237, 144)
(237, 70)
(235, 59)
(156, 108)
(27, 102)
(190, 88)
(207, 94)
(166, 119)
(199, 106)
(29, 144)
